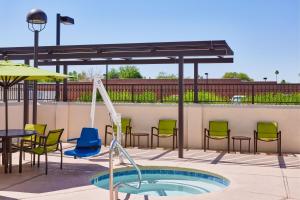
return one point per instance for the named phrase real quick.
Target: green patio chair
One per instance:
(218, 130)
(126, 130)
(47, 144)
(39, 128)
(29, 141)
(165, 128)
(267, 132)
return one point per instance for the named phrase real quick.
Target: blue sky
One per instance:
(264, 34)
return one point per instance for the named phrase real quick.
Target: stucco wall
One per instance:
(242, 120)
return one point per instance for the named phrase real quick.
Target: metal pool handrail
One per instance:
(114, 188)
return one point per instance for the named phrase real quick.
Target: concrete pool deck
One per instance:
(256, 177)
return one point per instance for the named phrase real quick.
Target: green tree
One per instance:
(130, 72)
(241, 76)
(283, 81)
(164, 75)
(113, 74)
(82, 76)
(73, 76)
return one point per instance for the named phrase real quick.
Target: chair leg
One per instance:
(204, 145)
(61, 156)
(173, 142)
(125, 140)
(46, 162)
(38, 161)
(20, 161)
(157, 141)
(129, 139)
(228, 145)
(24, 155)
(208, 143)
(254, 146)
(105, 137)
(151, 140)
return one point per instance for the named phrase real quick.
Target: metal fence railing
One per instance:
(258, 93)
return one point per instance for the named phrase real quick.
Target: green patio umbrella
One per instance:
(13, 73)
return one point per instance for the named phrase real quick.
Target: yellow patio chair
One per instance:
(165, 128)
(267, 132)
(218, 130)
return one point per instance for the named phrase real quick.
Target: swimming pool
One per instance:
(164, 181)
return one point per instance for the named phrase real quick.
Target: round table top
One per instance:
(140, 134)
(241, 138)
(11, 133)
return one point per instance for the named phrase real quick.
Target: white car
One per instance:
(237, 98)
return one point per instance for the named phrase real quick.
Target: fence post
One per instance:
(161, 93)
(19, 92)
(132, 93)
(252, 93)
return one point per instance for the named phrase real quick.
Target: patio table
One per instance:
(140, 135)
(241, 138)
(7, 145)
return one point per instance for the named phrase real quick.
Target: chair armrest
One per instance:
(72, 139)
(206, 131)
(279, 134)
(106, 128)
(153, 128)
(42, 137)
(128, 129)
(175, 130)
(255, 134)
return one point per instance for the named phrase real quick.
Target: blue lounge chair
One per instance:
(89, 144)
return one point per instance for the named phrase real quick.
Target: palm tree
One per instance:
(276, 73)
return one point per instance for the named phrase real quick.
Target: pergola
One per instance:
(193, 52)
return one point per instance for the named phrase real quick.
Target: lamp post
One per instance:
(276, 74)
(66, 21)
(206, 75)
(36, 20)
(265, 78)
(106, 76)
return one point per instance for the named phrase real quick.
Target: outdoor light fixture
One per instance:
(36, 19)
(67, 20)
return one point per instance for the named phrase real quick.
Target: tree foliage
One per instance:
(240, 75)
(129, 71)
(113, 74)
(125, 72)
(82, 76)
(164, 75)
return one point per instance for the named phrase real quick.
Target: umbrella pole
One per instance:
(6, 108)
(6, 130)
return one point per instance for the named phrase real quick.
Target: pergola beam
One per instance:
(136, 61)
(117, 54)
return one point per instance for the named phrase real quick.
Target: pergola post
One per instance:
(65, 84)
(195, 82)
(25, 99)
(57, 84)
(35, 64)
(180, 108)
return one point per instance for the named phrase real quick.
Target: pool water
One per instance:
(165, 181)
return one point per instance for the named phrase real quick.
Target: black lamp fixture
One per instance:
(66, 20)
(265, 78)
(36, 20)
(206, 75)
